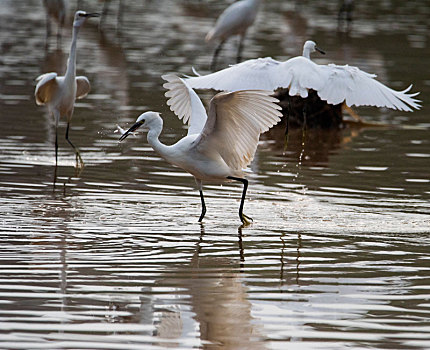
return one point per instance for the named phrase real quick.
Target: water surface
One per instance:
(113, 257)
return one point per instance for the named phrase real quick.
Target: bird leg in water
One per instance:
(202, 215)
(216, 53)
(239, 49)
(287, 121)
(80, 163)
(352, 113)
(56, 147)
(246, 220)
(200, 187)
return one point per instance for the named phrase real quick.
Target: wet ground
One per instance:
(113, 257)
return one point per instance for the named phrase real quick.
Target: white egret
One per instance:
(333, 83)
(218, 145)
(60, 92)
(234, 20)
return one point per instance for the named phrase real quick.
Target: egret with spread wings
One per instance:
(60, 92)
(218, 145)
(333, 83)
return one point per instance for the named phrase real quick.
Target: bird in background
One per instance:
(219, 145)
(55, 10)
(333, 83)
(234, 20)
(59, 93)
(345, 13)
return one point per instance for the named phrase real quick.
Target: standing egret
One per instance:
(218, 145)
(60, 92)
(332, 83)
(235, 20)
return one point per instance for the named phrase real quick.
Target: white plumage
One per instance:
(333, 83)
(220, 144)
(234, 20)
(60, 92)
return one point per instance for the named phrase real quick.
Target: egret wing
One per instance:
(83, 87)
(356, 87)
(256, 74)
(234, 125)
(46, 87)
(185, 103)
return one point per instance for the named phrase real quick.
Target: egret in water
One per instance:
(235, 20)
(218, 145)
(60, 92)
(334, 84)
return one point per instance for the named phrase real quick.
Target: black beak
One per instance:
(129, 131)
(319, 50)
(94, 14)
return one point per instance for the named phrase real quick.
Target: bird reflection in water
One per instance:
(282, 277)
(211, 293)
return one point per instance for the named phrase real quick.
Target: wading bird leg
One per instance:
(352, 113)
(287, 118)
(287, 121)
(57, 119)
(239, 49)
(216, 53)
(55, 178)
(56, 147)
(104, 13)
(79, 163)
(246, 220)
(202, 215)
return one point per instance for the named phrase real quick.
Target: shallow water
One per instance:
(113, 257)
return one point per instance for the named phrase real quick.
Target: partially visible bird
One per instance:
(332, 83)
(60, 92)
(218, 145)
(235, 20)
(55, 10)
(310, 47)
(345, 12)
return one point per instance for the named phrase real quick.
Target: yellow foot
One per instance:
(246, 220)
(79, 162)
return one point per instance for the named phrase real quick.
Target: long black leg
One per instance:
(239, 49)
(78, 155)
(245, 219)
(104, 13)
(56, 146)
(202, 215)
(216, 53)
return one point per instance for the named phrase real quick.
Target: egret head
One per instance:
(146, 119)
(81, 17)
(309, 47)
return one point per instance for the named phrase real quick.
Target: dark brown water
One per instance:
(113, 257)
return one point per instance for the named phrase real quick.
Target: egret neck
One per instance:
(71, 63)
(155, 127)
